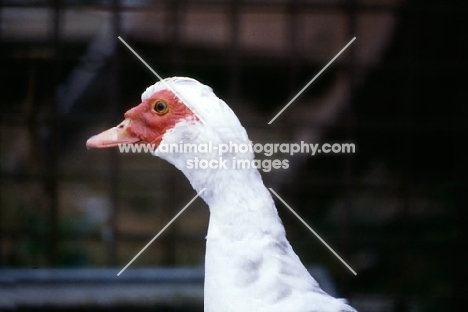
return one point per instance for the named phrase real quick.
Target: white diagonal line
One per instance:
(140, 58)
(160, 232)
(313, 79)
(159, 77)
(310, 229)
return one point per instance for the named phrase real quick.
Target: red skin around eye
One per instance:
(150, 126)
(142, 124)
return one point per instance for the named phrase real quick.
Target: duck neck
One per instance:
(241, 207)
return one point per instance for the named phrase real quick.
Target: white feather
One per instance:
(249, 263)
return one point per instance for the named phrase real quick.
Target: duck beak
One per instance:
(113, 137)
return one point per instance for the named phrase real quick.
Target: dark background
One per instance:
(394, 210)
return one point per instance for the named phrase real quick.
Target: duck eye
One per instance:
(160, 107)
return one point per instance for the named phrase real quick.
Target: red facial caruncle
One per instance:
(145, 123)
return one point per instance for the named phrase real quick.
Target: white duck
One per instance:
(249, 263)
